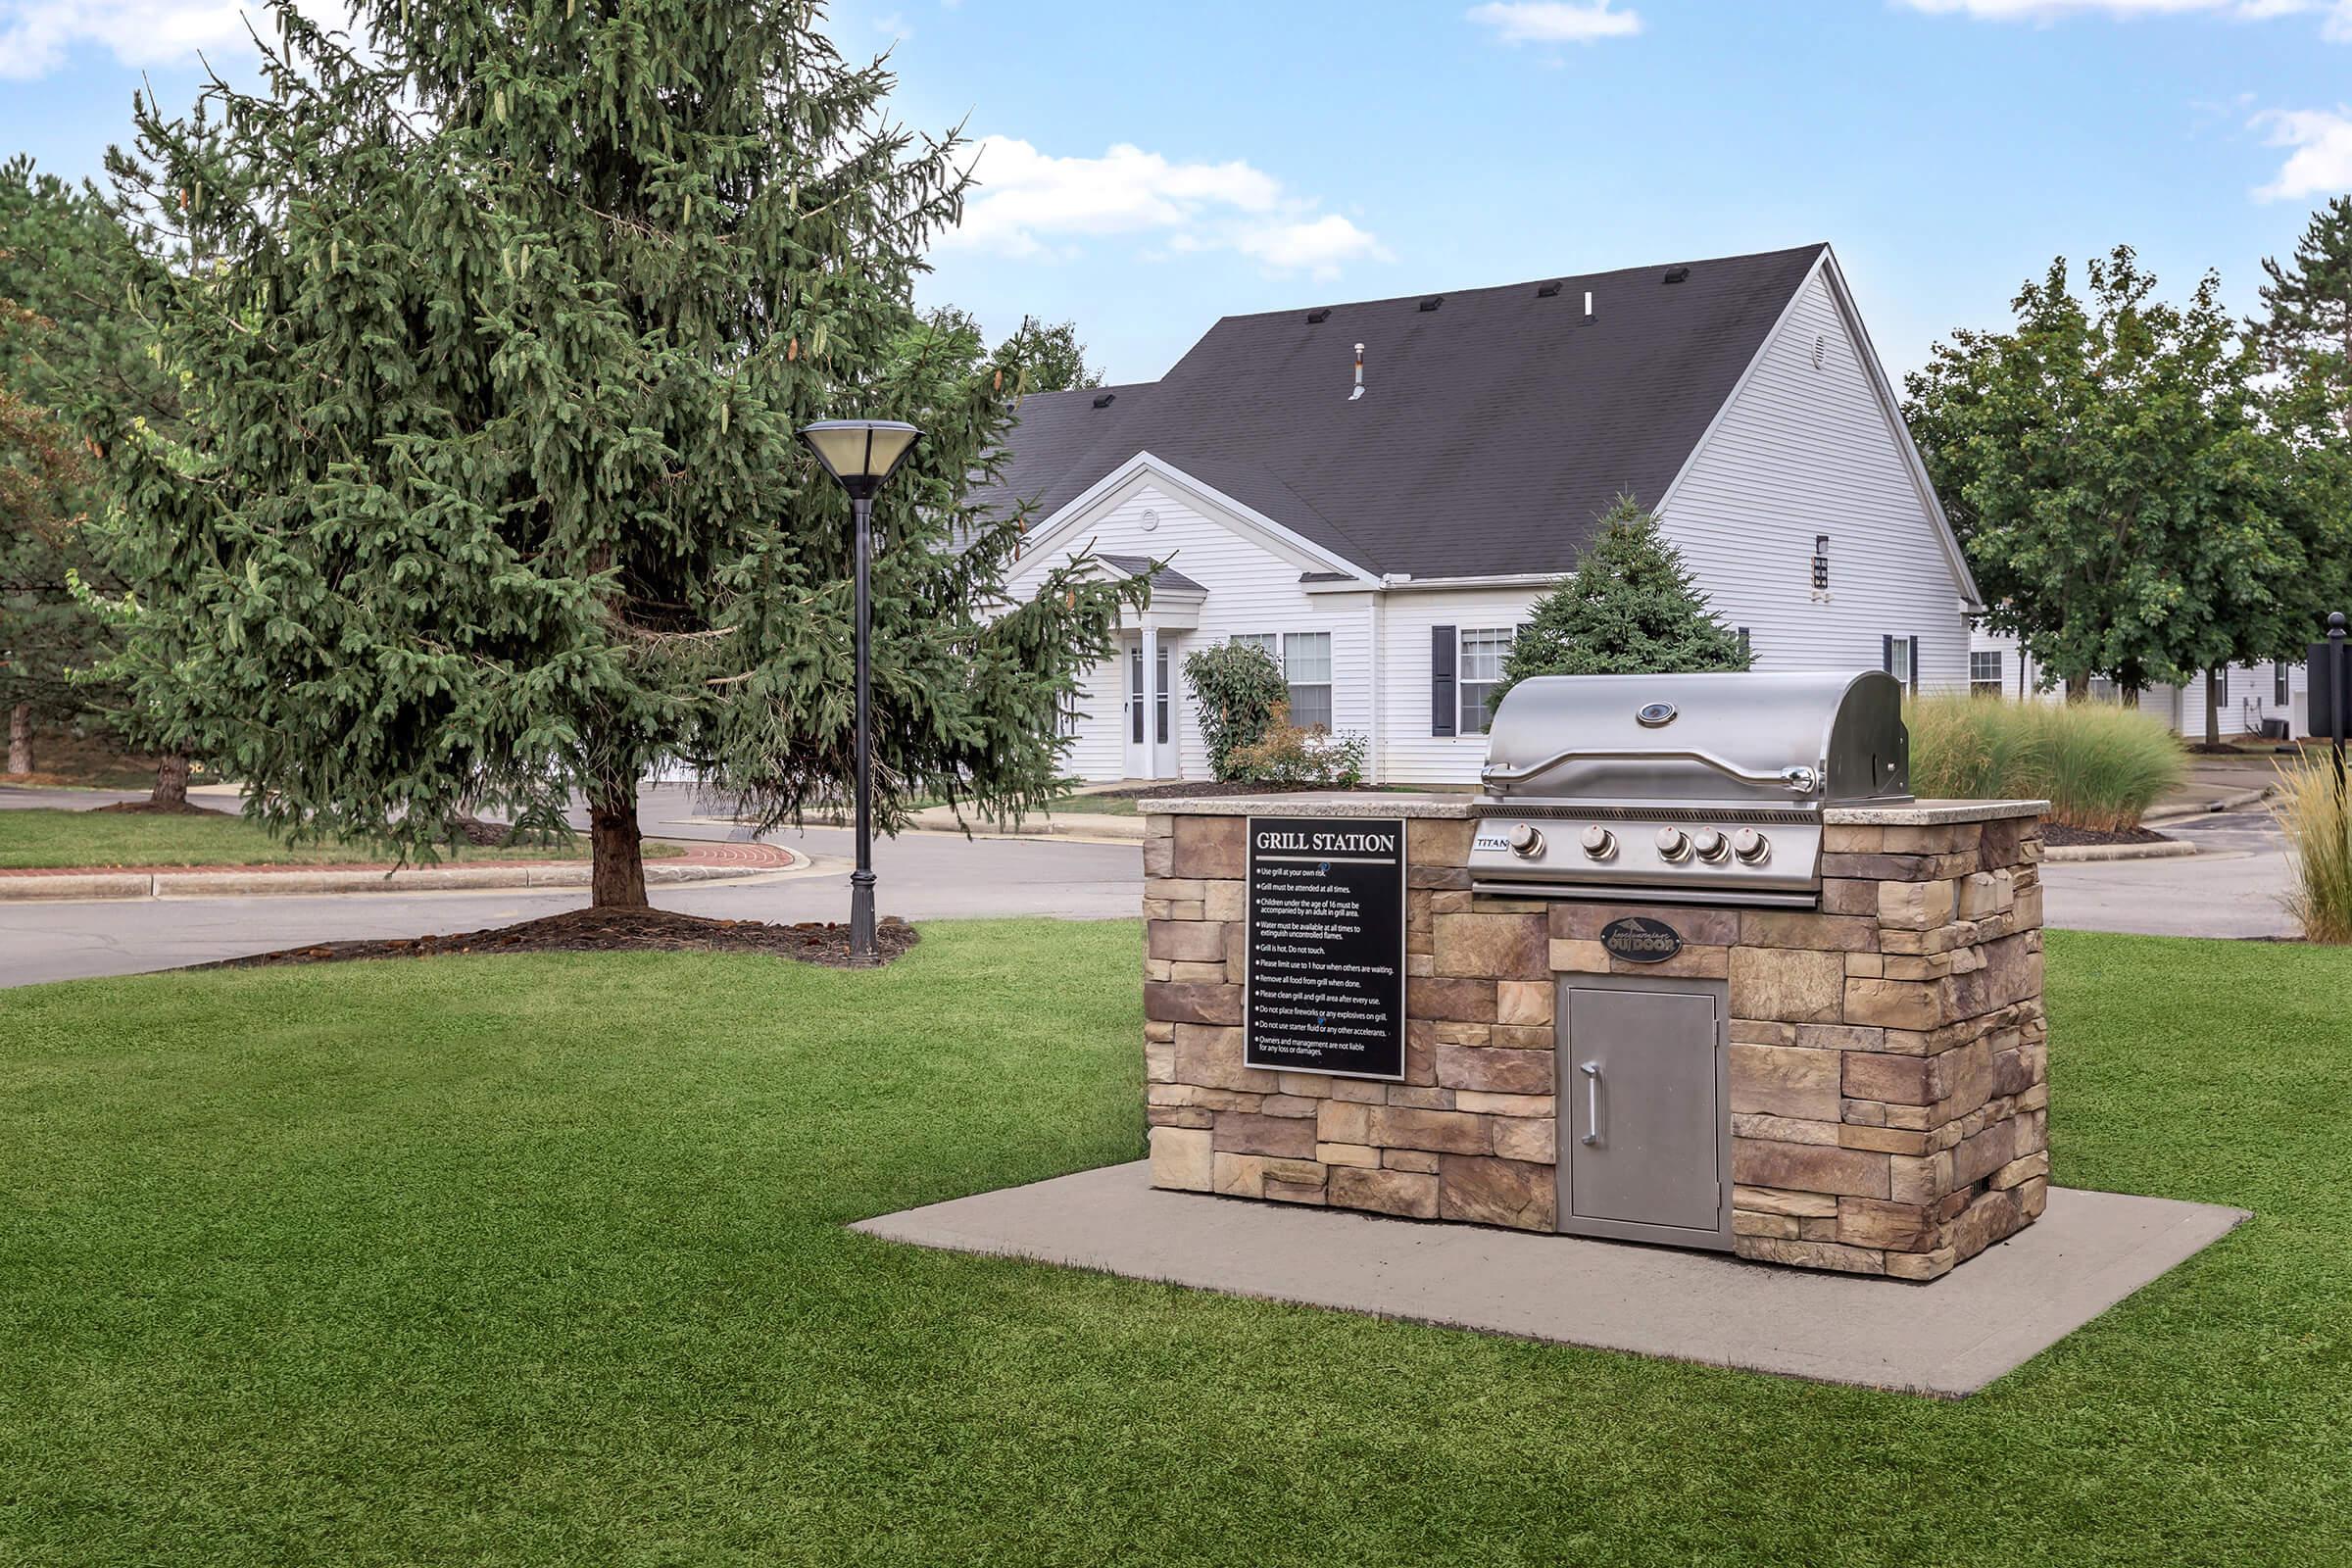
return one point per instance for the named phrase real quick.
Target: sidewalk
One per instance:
(2216, 784)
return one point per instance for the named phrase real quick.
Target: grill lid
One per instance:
(1779, 739)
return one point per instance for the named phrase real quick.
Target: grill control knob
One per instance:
(1674, 844)
(1526, 840)
(1599, 842)
(1750, 845)
(1710, 845)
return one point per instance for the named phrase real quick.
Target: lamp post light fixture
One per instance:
(862, 455)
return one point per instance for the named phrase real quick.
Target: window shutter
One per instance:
(1886, 655)
(1442, 710)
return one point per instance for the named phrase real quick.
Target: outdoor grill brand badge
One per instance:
(1651, 716)
(1637, 939)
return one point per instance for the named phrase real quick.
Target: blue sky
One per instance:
(1148, 168)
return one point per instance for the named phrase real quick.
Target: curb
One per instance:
(2172, 850)
(2225, 803)
(300, 884)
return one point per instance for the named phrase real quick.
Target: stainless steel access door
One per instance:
(1644, 1134)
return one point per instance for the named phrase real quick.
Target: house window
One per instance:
(1135, 693)
(1902, 660)
(1477, 670)
(1306, 666)
(1264, 640)
(2281, 691)
(1985, 671)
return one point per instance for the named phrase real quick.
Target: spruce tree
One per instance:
(1630, 609)
(2306, 330)
(505, 318)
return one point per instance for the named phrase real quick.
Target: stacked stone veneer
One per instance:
(1888, 1054)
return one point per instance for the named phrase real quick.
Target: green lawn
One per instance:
(32, 839)
(513, 1260)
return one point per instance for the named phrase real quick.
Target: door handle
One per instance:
(1591, 1072)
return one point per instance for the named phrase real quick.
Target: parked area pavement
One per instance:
(924, 876)
(2235, 886)
(2231, 890)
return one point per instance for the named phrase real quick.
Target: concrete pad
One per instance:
(1949, 1337)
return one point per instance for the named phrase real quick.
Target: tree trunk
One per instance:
(616, 878)
(2213, 705)
(171, 792)
(20, 738)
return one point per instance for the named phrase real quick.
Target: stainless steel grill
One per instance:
(1681, 789)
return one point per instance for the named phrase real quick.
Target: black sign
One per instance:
(1637, 939)
(2327, 707)
(1326, 941)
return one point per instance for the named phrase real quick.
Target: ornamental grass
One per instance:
(2099, 765)
(2312, 815)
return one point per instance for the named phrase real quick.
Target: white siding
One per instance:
(1409, 752)
(1800, 452)
(2252, 694)
(1250, 589)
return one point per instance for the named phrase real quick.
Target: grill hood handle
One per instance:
(1799, 780)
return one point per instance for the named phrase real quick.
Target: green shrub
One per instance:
(1300, 758)
(2099, 765)
(2319, 832)
(1237, 689)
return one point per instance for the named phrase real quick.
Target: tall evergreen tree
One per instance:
(2306, 329)
(2108, 467)
(492, 495)
(1630, 608)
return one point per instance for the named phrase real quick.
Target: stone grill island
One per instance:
(1341, 1010)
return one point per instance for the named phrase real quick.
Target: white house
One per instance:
(1378, 491)
(2249, 694)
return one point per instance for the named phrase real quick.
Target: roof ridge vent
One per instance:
(1103, 400)
(1550, 290)
(1675, 275)
(1433, 302)
(1316, 318)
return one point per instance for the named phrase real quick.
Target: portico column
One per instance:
(1150, 698)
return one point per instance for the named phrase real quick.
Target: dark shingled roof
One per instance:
(1491, 433)
(1164, 577)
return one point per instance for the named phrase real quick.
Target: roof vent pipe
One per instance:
(1359, 375)
(1587, 305)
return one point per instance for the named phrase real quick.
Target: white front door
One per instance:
(1147, 717)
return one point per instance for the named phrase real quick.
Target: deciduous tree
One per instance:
(2107, 465)
(492, 493)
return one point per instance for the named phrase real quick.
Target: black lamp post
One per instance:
(860, 454)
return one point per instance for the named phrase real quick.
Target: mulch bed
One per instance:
(613, 931)
(151, 809)
(2058, 833)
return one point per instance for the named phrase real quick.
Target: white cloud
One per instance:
(1317, 245)
(1030, 203)
(2321, 164)
(1554, 21)
(2336, 15)
(36, 34)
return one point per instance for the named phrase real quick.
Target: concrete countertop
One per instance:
(1367, 804)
